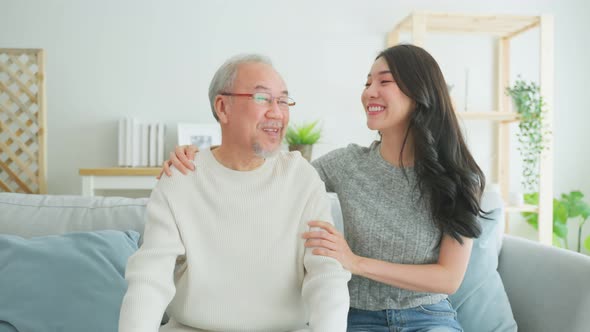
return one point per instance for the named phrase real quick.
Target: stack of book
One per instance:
(141, 144)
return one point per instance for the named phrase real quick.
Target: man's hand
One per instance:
(181, 158)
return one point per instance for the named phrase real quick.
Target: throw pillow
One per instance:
(72, 282)
(481, 301)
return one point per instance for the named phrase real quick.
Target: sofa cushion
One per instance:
(72, 282)
(5, 327)
(40, 215)
(481, 302)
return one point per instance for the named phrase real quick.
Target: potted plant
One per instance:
(567, 208)
(302, 138)
(531, 133)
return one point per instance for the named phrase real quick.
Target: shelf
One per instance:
(493, 116)
(495, 25)
(522, 208)
(121, 171)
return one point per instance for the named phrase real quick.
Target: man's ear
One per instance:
(221, 109)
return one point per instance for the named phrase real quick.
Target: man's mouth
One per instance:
(272, 131)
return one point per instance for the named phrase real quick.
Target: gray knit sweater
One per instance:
(383, 219)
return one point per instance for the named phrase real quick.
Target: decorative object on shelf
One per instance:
(22, 121)
(202, 135)
(530, 107)
(141, 144)
(302, 138)
(567, 207)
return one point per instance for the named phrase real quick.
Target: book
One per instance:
(135, 142)
(121, 143)
(152, 128)
(161, 135)
(128, 142)
(144, 144)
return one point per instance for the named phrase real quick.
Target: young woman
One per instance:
(410, 201)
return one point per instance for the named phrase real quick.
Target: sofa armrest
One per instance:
(548, 287)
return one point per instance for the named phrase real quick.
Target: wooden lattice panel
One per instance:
(22, 121)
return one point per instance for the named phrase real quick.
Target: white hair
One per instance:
(225, 76)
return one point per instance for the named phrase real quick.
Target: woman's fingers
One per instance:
(182, 156)
(323, 225)
(165, 169)
(177, 163)
(316, 243)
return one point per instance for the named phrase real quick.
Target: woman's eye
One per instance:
(385, 82)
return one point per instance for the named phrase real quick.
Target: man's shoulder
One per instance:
(292, 161)
(176, 180)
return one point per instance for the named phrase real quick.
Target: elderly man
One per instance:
(235, 227)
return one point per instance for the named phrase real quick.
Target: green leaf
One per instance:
(587, 243)
(557, 242)
(532, 218)
(531, 198)
(576, 195)
(575, 205)
(560, 230)
(560, 214)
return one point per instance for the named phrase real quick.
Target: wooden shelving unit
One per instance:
(489, 116)
(504, 28)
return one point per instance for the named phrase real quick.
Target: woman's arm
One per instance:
(444, 276)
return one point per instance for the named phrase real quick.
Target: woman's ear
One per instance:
(221, 109)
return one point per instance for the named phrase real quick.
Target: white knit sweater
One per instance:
(243, 264)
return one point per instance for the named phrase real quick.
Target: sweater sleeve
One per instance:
(325, 289)
(150, 271)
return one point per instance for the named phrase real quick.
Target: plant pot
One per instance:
(304, 149)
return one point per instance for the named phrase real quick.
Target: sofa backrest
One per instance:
(39, 215)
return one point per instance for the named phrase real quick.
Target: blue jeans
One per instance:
(432, 317)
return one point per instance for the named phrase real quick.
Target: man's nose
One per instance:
(274, 111)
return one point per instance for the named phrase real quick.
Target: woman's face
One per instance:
(386, 106)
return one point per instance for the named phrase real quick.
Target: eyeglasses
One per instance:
(265, 99)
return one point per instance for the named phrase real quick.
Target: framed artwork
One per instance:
(202, 135)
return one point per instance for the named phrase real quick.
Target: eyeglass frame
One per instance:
(290, 101)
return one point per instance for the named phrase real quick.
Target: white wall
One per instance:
(154, 59)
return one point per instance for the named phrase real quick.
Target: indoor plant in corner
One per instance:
(302, 138)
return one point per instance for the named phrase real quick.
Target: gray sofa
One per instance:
(548, 288)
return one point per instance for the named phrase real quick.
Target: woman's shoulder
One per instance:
(343, 157)
(352, 150)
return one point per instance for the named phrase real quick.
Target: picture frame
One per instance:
(202, 135)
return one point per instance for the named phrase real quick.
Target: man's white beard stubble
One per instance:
(259, 151)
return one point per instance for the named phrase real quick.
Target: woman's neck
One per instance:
(391, 147)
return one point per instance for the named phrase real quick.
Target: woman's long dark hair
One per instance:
(446, 172)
